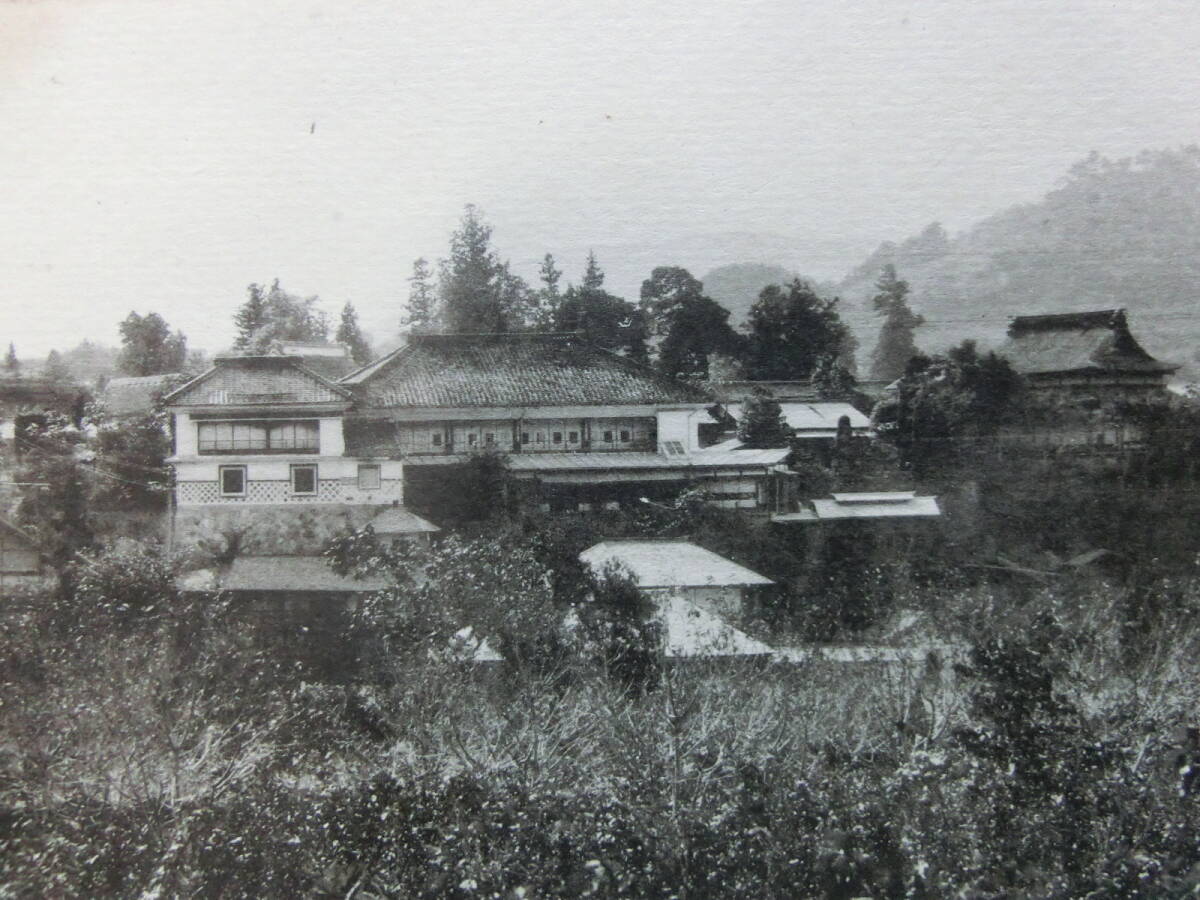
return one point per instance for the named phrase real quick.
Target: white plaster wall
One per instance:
(681, 425)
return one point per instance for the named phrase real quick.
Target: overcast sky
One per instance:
(163, 155)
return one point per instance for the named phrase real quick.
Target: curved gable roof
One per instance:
(511, 370)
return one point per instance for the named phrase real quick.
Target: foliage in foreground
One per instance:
(152, 751)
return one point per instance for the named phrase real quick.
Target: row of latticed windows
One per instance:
(261, 437)
(432, 439)
(303, 478)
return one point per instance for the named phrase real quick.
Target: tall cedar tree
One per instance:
(348, 333)
(896, 345)
(12, 365)
(272, 314)
(149, 347)
(762, 424)
(691, 326)
(477, 292)
(791, 329)
(422, 298)
(548, 297)
(602, 318)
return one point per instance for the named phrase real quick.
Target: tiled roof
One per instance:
(1074, 342)
(257, 380)
(671, 563)
(735, 391)
(135, 396)
(512, 370)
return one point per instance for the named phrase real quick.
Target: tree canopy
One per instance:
(602, 318)
(272, 314)
(691, 326)
(791, 329)
(149, 347)
(762, 423)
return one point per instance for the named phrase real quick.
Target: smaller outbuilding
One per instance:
(682, 569)
(867, 505)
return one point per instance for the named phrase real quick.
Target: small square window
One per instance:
(573, 437)
(624, 435)
(472, 440)
(233, 481)
(369, 478)
(608, 437)
(304, 479)
(489, 438)
(524, 437)
(558, 437)
(436, 438)
(541, 437)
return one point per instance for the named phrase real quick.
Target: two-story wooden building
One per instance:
(277, 456)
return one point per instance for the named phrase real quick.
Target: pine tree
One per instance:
(422, 298)
(593, 277)
(693, 327)
(896, 345)
(762, 424)
(348, 333)
(272, 314)
(12, 365)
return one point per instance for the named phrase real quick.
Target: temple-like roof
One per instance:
(1097, 341)
(511, 370)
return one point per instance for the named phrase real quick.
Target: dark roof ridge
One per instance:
(1100, 318)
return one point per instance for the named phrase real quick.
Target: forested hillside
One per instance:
(1123, 233)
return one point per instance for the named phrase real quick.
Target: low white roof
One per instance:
(398, 520)
(671, 563)
(879, 505)
(813, 416)
(693, 632)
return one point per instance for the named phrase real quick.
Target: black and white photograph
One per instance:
(674, 451)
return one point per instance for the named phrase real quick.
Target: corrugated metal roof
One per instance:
(512, 370)
(277, 573)
(671, 563)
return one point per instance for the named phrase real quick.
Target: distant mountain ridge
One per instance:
(1113, 234)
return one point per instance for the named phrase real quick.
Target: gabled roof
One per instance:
(737, 391)
(671, 563)
(511, 370)
(1098, 341)
(257, 380)
(135, 396)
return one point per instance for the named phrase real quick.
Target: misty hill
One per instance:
(1114, 234)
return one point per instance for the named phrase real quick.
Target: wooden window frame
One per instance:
(316, 480)
(221, 471)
